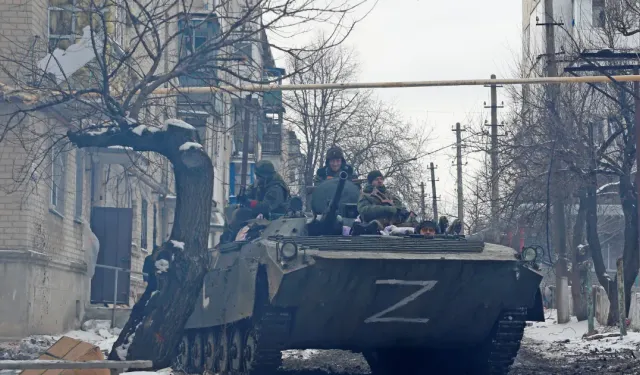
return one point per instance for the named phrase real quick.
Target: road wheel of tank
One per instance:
(250, 346)
(223, 356)
(196, 352)
(181, 362)
(236, 349)
(212, 351)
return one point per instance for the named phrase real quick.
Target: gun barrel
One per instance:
(330, 214)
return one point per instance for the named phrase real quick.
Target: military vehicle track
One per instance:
(494, 357)
(271, 336)
(506, 340)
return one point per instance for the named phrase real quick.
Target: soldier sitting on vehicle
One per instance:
(334, 164)
(378, 204)
(269, 194)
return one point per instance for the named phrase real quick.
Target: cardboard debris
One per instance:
(69, 349)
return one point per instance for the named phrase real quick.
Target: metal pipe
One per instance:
(39, 364)
(405, 84)
(30, 98)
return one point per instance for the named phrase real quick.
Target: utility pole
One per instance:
(245, 143)
(433, 192)
(636, 100)
(459, 131)
(493, 154)
(422, 202)
(557, 199)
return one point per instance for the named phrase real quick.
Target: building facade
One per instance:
(50, 212)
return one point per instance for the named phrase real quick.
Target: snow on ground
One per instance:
(555, 340)
(96, 332)
(300, 354)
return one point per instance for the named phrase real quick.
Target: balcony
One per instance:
(272, 144)
(197, 30)
(272, 100)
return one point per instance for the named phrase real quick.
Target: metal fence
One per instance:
(115, 287)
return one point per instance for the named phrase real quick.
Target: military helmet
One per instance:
(264, 168)
(334, 152)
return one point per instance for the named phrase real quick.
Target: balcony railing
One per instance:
(272, 144)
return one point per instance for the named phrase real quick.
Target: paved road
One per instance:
(529, 362)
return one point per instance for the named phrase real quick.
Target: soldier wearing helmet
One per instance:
(334, 164)
(269, 194)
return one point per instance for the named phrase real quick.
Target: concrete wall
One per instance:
(38, 294)
(43, 285)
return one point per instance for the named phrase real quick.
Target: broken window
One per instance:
(68, 18)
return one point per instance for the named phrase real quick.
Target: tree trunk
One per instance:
(577, 292)
(630, 254)
(559, 230)
(157, 320)
(596, 250)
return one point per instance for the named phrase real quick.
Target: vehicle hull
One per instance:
(359, 303)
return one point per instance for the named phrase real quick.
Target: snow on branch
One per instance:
(178, 244)
(177, 123)
(187, 145)
(604, 187)
(162, 265)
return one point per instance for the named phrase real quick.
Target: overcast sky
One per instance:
(412, 40)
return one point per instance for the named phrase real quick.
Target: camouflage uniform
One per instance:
(326, 172)
(371, 207)
(271, 194)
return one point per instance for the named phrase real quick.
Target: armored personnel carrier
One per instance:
(410, 304)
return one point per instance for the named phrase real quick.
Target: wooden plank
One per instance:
(62, 347)
(46, 364)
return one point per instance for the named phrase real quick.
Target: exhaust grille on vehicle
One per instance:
(385, 243)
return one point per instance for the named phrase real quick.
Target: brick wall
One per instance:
(43, 243)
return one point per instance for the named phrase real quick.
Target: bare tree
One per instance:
(574, 148)
(371, 133)
(139, 53)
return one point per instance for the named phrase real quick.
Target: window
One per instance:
(79, 182)
(196, 32)
(58, 167)
(143, 224)
(67, 19)
(598, 13)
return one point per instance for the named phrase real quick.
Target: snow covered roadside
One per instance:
(557, 340)
(96, 332)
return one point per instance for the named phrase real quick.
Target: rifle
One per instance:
(242, 196)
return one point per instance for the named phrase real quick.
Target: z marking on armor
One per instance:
(426, 286)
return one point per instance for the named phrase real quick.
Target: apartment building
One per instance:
(50, 211)
(579, 25)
